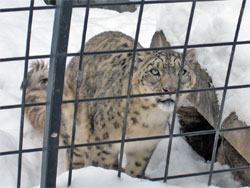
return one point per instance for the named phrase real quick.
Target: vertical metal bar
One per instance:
(130, 87)
(55, 91)
(78, 85)
(178, 90)
(225, 92)
(19, 170)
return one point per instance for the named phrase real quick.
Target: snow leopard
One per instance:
(107, 75)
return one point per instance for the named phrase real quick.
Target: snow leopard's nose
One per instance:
(170, 89)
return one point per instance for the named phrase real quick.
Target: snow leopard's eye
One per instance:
(44, 80)
(155, 72)
(184, 72)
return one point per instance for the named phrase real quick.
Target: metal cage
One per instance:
(63, 11)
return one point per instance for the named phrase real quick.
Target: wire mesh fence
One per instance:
(63, 12)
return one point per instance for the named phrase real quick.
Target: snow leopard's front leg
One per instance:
(36, 114)
(138, 159)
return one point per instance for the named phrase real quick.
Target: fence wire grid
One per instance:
(62, 19)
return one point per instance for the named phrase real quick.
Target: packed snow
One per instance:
(213, 22)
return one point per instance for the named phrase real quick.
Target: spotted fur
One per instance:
(106, 75)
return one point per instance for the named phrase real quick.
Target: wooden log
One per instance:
(240, 140)
(228, 155)
(206, 104)
(190, 121)
(119, 8)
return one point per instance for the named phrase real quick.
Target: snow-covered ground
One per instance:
(213, 22)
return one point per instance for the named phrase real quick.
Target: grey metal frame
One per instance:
(55, 92)
(56, 80)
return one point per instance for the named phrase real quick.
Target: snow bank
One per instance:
(98, 177)
(213, 22)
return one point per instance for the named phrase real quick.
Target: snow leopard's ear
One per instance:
(191, 56)
(159, 40)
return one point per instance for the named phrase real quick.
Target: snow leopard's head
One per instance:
(37, 77)
(159, 72)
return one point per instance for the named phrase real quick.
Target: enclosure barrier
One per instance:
(63, 11)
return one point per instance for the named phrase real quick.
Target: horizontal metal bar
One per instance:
(21, 58)
(130, 50)
(195, 133)
(152, 179)
(5, 107)
(17, 9)
(14, 152)
(155, 179)
(201, 173)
